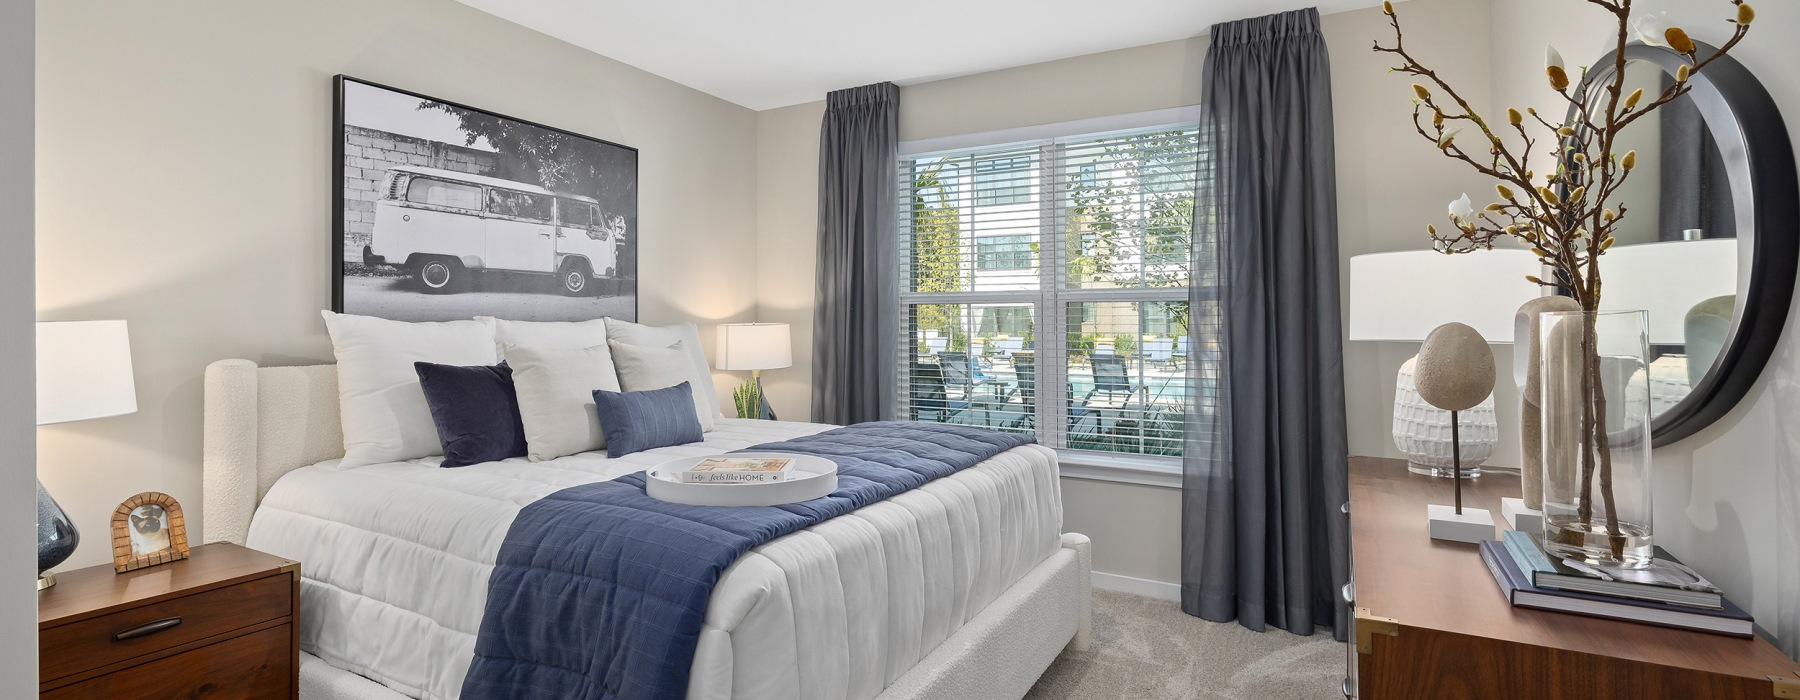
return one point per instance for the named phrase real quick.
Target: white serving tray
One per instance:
(813, 477)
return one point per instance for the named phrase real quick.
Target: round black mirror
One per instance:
(1710, 245)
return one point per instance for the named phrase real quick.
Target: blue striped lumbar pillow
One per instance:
(635, 421)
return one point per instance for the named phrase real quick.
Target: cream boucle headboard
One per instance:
(261, 423)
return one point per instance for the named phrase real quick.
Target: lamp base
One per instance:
(765, 412)
(1422, 431)
(56, 536)
(1468, 471)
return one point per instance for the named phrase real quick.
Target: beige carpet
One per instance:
(1146, 648)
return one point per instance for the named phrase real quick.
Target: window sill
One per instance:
(1163, 472)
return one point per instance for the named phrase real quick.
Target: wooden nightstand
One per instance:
(1431, 623)
(223, 622)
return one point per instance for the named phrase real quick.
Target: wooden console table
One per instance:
(1431, 623)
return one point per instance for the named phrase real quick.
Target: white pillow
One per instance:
(551, 335)
(644, 369)
(663, 336)
(556, 387)
(383, 410)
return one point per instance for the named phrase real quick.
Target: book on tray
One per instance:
(1519, 590)
(739, 470)
(1666, 580)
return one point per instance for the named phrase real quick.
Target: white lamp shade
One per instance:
(83, 371)
(1668, 279)
(1403, 296)
(754, 346)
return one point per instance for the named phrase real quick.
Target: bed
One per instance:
(964, 587)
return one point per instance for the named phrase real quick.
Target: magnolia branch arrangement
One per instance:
(1566, 216)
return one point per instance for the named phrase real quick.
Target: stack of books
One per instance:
(738, 470)
(1667, 593)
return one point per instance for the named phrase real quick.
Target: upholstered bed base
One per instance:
(998, 654)
(262, 423)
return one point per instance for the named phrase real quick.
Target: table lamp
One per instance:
(1669, 279)
(1693, 315)
(83, 372)
(754, 347)
(1402, 297)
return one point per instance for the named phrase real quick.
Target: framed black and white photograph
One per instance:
(447, 212)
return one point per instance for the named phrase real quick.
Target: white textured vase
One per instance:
(1422, 431)
(1668, 383)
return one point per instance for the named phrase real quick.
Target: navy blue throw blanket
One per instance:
(600, 591)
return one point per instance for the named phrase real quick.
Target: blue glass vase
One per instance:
(56, 536)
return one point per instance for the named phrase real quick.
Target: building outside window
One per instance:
(1001, 181)
(995, 253)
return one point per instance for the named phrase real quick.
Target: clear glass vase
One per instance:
(1596, 436)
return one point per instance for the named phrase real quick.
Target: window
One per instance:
(575, 214)
(1081, 299)
(443, 193)
(520, 205)
(1004, 322)
(996, 253)
(1003, 181)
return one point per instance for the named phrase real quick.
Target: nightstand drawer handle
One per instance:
(147, 629)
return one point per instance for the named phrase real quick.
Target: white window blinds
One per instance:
(1045, 288)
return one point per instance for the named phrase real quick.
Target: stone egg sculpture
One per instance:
(1455, 368)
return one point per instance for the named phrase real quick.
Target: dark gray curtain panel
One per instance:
(854, 324)
(1265, 469)
(1694, 192)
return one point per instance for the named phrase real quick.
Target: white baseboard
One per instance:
(1160, 590)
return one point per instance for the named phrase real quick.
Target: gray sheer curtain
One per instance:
(1695, 191)
(854, 325)
(1263, 539)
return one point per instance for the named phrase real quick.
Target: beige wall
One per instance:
(1136, 529)
(18, 406)
(184, 184)
(787, 225)
(1138, 79)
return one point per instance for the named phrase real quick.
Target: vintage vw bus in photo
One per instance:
(443, 226)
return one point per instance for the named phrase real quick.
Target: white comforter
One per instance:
(396, 558)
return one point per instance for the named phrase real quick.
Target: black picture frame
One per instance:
(481, 282)
(1736, 108)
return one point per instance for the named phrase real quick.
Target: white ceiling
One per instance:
(764, 54)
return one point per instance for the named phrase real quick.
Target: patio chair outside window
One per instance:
(1160, 351)
(1024, 388)
(1111, 378)
(929, 400)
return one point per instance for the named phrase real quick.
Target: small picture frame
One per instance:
(148, 529)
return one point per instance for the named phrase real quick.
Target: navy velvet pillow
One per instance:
(476, 412)
(635, 421)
